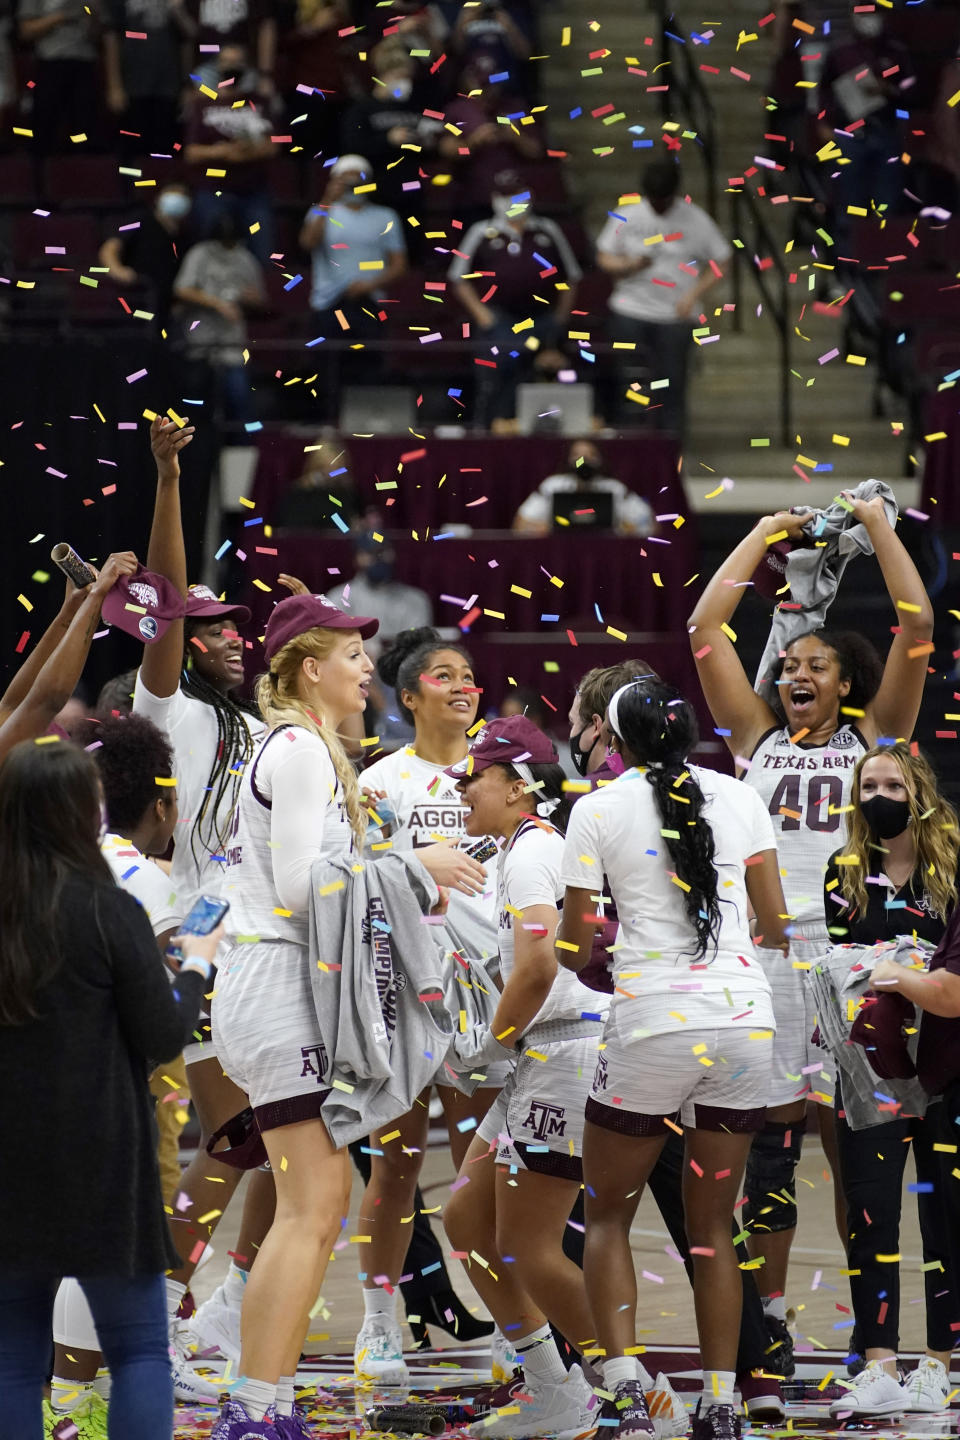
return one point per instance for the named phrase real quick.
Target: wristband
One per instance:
(201, 966)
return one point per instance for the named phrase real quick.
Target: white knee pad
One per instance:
(73, 1325)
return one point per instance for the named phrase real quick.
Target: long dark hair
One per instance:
(659, 728)
(859, 662)
(234, 749)
(550, 781)
(403, 661)
(49, 831)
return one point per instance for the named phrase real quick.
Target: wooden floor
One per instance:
(818, 1295)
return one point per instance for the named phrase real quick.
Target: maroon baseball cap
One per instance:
(202, 604)
(300, 613)
(504, 742)
(143, 604)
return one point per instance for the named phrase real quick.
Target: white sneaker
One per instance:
(566, 1412)
(927, 1389)
(215, 1326)
(504, 1359)
(378, 1353)
(873, 1392)
(188, 1385)
(667, 1411)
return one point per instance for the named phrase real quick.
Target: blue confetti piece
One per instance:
(614, 216)
(454, 394)
(549, 617)
(341, 525)
(921, 1187)
(253, 425)
(500, 75)
(429, 1269)
(227, 545)
(642, 145)
(291, 284)
(257, 521)
(319, 341)
(575, 114)
(718, 731)
(132, 871)
(544, 263)
(596, 611)
(341, 471)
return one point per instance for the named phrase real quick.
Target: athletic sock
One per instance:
(718, 1388)
(66, 1395)
(285, 1394)
(380, 1303)
(540, 1357)
(775, 1305)
(234, 1285)
(619, 1369)
(175, 1293)
(256, 1397)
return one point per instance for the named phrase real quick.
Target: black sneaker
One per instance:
(629, 1409)
(716, 1422)
(779, 1355)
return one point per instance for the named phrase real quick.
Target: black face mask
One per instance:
(580, 758)
(886, 817)
(586, 470)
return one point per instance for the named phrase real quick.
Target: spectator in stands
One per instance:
(524, 700)
(388, 126)
(939, 184)
(217, 281)
(247, 25)
(147, 251)
(659, 283)
(484, 147)
(486, 27)
(232, 134)
(319, 71)
(116, 695)
(374, 591)
(866, 79)
(323, 496)
(358, 252)
(65, 35)
(584, 472)
(142, 45)
(501, 264)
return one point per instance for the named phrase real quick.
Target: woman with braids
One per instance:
(299, 802)
(896, 874)
(185, 686)
(834, 699)
(522, 1172)
(437, 694)
(689, 1036)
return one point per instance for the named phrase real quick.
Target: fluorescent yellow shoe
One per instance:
(87, 1422)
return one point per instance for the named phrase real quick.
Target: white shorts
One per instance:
(537, 1119)
(707, 1079)
(801, 1069)
(266, 1034)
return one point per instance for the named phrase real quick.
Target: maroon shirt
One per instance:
(938, 1048)
(213, 121)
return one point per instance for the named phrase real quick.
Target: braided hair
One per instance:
(234, 749)
(659, 729)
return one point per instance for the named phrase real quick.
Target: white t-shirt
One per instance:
(616, 832)
(429, 808)
(528, 873)
(630, 510)
(191, 728)
(146, 882)
(690, 241)
(290, 814)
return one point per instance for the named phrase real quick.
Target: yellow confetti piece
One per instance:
(384, 1139)
(210, 1215)
(25, 602)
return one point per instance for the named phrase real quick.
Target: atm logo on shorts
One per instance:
(314, 1062)
(600, 1074)
(547, 1122)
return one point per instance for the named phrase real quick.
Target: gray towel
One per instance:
(814, 575)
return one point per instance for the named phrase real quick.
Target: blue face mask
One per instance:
(174, 206)
(380, 572)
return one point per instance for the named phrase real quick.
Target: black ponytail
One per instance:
(659, 729)
(404, 660)
(549, 780)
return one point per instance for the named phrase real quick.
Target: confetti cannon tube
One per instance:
(66, 559)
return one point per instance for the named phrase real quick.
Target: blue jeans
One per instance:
(131, 1320)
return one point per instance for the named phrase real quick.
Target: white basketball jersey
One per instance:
(805, 789)
(255, 908)
(428, 807)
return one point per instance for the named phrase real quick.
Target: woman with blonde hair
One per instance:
(299, 803)
(896, 875)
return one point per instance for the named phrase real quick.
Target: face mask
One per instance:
(580, 758)
(886, 817)
(615, 762)
(380, 572)
(174, 205)
(586, 470)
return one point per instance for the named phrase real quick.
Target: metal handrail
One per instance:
(758, 242)
(687, 96)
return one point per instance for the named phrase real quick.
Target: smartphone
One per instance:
(204, 916)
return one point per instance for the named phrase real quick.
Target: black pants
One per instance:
(872, 1163)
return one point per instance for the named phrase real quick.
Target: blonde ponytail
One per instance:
(280, 704)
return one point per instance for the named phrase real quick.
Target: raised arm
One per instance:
(734, 704)
(60, 672)
(25, 677)
(166, 555)
(896, 705)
